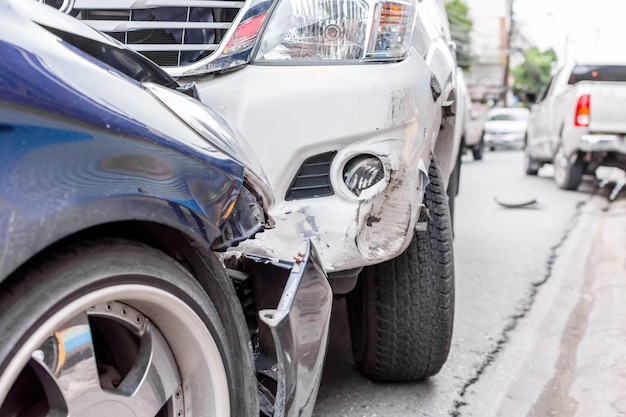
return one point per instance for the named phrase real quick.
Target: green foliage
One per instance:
(460, 28)
(531, 76)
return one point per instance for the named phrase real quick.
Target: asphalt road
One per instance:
(506, 260)
(566, 358)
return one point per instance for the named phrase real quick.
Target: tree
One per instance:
(531, 76)
(460, 28)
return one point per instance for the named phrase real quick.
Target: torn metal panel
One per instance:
(299, 326)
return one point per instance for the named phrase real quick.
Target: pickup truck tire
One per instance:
(453, 187)
(479, 149)
(531, 165)
(401, 311)
(477, 152)
(115, 327)
(568, 173)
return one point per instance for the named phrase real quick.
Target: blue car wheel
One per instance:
(116, 328)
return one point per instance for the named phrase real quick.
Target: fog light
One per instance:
(363, 172)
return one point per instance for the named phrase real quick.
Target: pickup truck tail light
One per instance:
(338, 30)
(583, 111)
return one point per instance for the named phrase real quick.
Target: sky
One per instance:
(573, 28)
(593, 28)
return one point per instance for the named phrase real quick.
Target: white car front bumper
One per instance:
(290, 114)
(499, 139)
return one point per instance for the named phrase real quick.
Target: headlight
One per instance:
(338, 30)
(215, 130)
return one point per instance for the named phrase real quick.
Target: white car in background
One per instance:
(350, 107)
(505, 128)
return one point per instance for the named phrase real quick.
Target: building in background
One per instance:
(497, 43)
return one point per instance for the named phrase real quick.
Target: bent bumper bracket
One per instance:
(299, 327)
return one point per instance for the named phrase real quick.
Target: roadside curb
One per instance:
(547, 366)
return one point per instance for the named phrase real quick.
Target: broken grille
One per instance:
(172, 33)
(313, 178)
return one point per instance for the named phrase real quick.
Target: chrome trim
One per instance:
(124, 26)
(65, 7)
(219, 59)
(173, 47)
(299, 326)
(147, 4)
(603, 143)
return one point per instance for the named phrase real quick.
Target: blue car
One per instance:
(122, 201)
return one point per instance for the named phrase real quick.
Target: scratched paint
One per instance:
(401, 107)
(351, 231)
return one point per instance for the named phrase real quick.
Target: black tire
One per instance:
(478, 151)
(568, 174)
(531, 165)
(453, 187)
(92, 314)
(401, 311)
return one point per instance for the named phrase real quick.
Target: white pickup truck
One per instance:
(579, 122)
(350, 107)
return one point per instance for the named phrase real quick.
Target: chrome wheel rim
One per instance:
(125, 350)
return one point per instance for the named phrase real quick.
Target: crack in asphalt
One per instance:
(525, 307)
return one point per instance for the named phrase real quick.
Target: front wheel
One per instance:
(453, 187)
(401, 311)
(117, 328)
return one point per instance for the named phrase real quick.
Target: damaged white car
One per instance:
(350, 107)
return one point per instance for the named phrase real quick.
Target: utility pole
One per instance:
(507, 58)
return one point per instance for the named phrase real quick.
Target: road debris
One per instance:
(515, 203)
